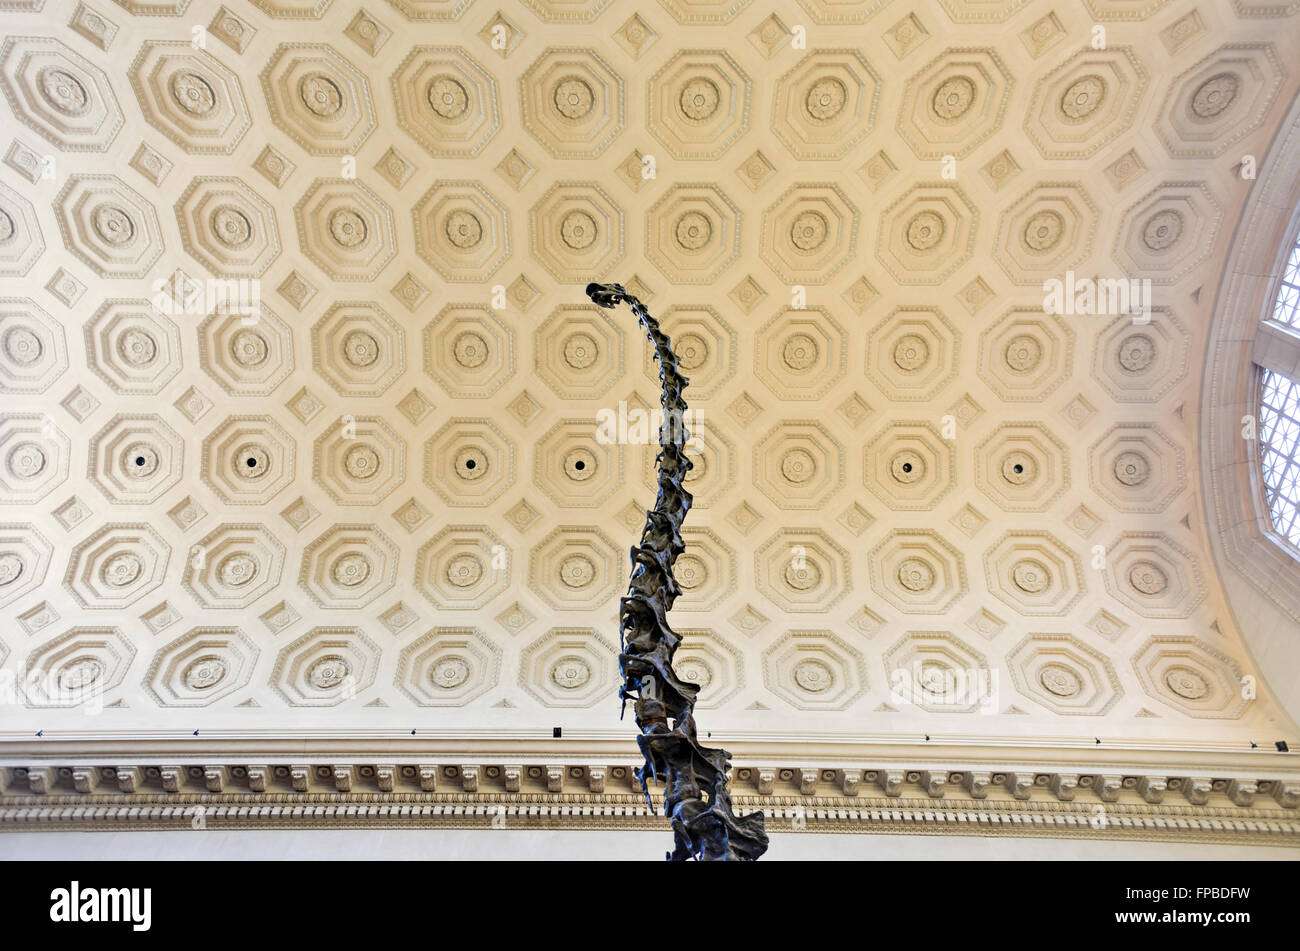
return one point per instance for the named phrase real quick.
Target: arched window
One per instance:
(1286, 308)
(1275, 350)
(1251, 388)
(1279, 443)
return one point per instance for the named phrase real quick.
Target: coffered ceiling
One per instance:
(384, 502)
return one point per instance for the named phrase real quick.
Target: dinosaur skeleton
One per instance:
(696, 799)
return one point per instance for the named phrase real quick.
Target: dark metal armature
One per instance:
(696, 800)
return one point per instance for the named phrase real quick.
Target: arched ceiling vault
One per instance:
(385, 503)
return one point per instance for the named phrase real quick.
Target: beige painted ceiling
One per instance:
(383, 504)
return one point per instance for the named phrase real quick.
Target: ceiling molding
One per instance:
(550, 795)
(383, 501)
(1243, 542)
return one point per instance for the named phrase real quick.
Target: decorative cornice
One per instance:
(602, 743)
(516, 795)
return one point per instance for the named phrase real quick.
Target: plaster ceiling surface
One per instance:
(384, 503)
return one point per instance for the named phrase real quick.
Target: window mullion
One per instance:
(1277, 348)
